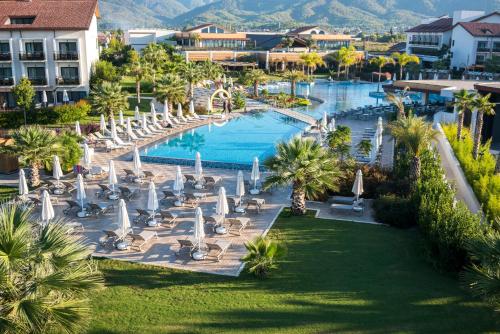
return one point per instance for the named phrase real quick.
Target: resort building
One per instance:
(53, 43)
(138, 39)
(211, 36)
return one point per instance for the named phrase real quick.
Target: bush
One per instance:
(72, 112)
(239, 100)
(72, 151)
(262, 256)
(395, 211)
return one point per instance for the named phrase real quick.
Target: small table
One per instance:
(239, 209)
(122, 246)
(220, 230)
(198, 186)
(254, 191)
(58, 191)
(113, 196)
(82, 214)
(199, 255)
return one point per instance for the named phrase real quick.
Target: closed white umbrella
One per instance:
(436, 76)
(137, 162)
(80, 191)
(166, 116)
(47, 208)
(331, 126)
(56, 169)
(224, 79)
(394, 77)
(420, 76)
(44, 97)
(357, 188)
(240, 185)
(123, 218)
(231, 81)
(137, 116)
(152, 201)
(102, 124)
(449, 76)
(191, 107)
(112, 180)
(255, 176)
(153, 113)
(121, 120)
(222, 208)
(199, 228)
(78, 130)
(128, 125)
(407, 75)
(307, 91)
(324, 122)
(144, 122)
(198, 169)
(65, 96)
(87, 156)
(114, 134)
(23, 186)
(179, 181)
(209, 106)
(179, 110)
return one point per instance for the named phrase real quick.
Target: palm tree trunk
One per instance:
(138, 90)
(415, 171)
(400, 72)
(379, 77)
(477, 135)
(298, 202)
(34, 175)
(191, 91)
(292, 88)
(338, 71)
(460, 125)
(347, 72)
(256, 88)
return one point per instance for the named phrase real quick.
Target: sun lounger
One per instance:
(142, 238)
(167, 196)
(75, 228)
(127, 194)
(143, 134)
(211, 181)
(191, 200)
(256, 203)
(120, 142)
(130, 175)
(110, 146)
(143, 217)
(167, 218)
(104, 191)
(190, 178)
(214, 220)
(151, 176)
(184, 245)
(218, 249)
(346, 200)
(96, 210)
(236, 225)
(73, 207)
(341, 207)
(233, 203)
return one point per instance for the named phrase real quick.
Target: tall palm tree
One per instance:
(212, 71)
(256, 77)
(404, 59)
(338, 57)
(398, 99)
(310, 44)
(308, 167)
(46, 276)
(350, 57)
(193, 74)
(34, 146)
(462, 103)
(312, 61)
(380, 62)
(484, 107)
(107, 98)
(415, 134)
(156, 56)
(171, 88)
(293, 76)
(139, 69)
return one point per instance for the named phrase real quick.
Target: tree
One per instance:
(71, 152)
(193, 74)
(139, 69)
(308, 167)
(171, 88)
(255, 77)
(364, 147)
(103, 71)
(262, 256)
(293, 76)
(310, 44)
(415, 134)
(404, 59)
(156, 57)
(34, 146)
(462, 103)
(380, 62)
(288, 42)
(483, 107)
(398, 99)
(350, 57)
(45, 275)
(24, 95)
(212, 71)
(338, 57)
(108, 99)
(339, 141)
(312, 61)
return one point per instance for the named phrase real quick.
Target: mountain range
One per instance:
(239, 14)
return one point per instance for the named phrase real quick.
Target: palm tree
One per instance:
(364, 147)
(350, 57)
(193, 74)
(380, 62)
(46, 277)
(462, 103)
(339, 141)
(312, 61)
(306, 165)
(288, 42)
(256, 77)
(293, 76)
(404, 59)
(34, 146)
(171, 88)
(415, 134)
(156, 57)
(212, 71)
(139, 69)
(398, 99)
(310, 44)
(484, 107)
(338, 57)
(262, 256)
(107, 98)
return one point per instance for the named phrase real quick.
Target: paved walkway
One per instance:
(324, 212)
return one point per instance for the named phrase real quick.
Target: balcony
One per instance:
(427, 52)
(68, 81)
(62, 56)
(38, 81)
(425, 43)
(8, 81)
(32, 56)
(5, 56)
(483, 49)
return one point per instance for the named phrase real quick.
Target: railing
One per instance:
(66, 56)
(424, 43)
(32, 56)
(5, 56)
(38, 81)
(427, 52)
(483, 49)
(6, 81)
(67, 81)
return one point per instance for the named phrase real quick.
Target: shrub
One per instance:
(395, 211)
(71, 151)
(262, 256)
(239, 100)
(72, 112)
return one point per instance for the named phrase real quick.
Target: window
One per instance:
(482, 45)
(22, 20)
(33, 47)
(37, 72)
(204, 30)
(67, 47)
(69, 72)
(5, 72)
(4, 47)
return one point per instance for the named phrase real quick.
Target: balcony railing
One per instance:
(427, 52)
(424, 43)
(6, 81)
(67, 81)
(38, 81)
(32, 56)
(5, 56)
(66, 56)
(483, 49)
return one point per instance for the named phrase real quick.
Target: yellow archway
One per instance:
(219, 93)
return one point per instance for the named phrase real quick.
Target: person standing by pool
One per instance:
(229, 106)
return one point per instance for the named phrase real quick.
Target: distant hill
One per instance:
(365, 14)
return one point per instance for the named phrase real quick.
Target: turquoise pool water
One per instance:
(234, 143)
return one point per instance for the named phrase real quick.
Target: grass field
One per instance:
(337, 277)
(6, 193)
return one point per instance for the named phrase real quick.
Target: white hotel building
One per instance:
(53, 43)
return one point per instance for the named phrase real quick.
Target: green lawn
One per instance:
(6, 193)
(337, 277)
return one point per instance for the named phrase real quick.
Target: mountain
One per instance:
(365, 14)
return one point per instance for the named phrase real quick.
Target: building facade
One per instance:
(52, 43)
(138, 39)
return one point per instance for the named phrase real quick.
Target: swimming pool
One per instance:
(233, 144)
(227, 144)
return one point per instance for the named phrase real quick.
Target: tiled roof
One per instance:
(485, 16)
(301, 30)
(480, 29)
(48, 14)
(398, 47)
(440, 25)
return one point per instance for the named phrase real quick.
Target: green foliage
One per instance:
(71, 151)
(71, 112)
(492, 64)
(364, 147)
(171, 88)
(117, 53)
(103, 71)
(480, 173)
(239, 100)
(45, 275)
(394, 211)
(262, 257)
(24, 93)
(107, 98)
(339, 141)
